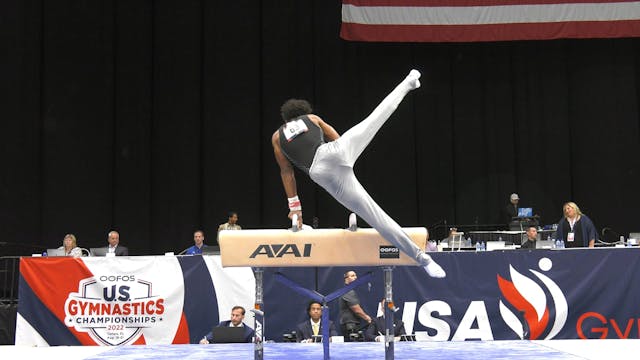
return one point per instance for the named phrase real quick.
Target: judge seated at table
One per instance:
(311, 327)
(237, 316)
(377, 329)
(532, 237)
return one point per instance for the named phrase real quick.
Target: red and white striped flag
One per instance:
(487, 20)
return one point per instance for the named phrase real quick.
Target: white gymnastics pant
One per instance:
(332, 168)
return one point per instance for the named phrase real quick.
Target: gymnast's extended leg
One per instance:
(356, 139)
(332, 169)
(343, 185)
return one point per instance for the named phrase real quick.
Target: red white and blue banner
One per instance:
(493, 295)
(487, 20)
(127, 300)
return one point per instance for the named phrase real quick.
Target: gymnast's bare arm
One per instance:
(286, 173)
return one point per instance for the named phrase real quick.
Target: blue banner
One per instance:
(496, 295)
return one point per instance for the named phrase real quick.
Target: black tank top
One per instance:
(300, 145)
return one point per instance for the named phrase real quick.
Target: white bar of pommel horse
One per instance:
(318, 247)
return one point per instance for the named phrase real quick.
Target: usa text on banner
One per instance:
(487, 20)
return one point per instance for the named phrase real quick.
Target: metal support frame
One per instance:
(324, 300)
(258, 340)
(388, 313)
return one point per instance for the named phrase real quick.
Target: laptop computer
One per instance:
(545, 244)
(211, 250)
(101, 251)
(495, 245)
(227, 334)
(55, 252)
(525, 212)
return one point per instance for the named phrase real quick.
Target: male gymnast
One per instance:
(300, 141)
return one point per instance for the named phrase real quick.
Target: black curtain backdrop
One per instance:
(154, 118)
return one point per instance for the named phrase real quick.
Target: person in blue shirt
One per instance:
(198, 240)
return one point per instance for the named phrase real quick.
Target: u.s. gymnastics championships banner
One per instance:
(487, 20)
(126, 300)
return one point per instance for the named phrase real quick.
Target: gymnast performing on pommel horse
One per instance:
(300, 141)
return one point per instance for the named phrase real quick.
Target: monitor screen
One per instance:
(525, 212)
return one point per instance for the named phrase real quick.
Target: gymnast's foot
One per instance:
(413, 79)
(435, 270)
(432, 268)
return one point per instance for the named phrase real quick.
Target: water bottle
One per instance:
(478, 246)
(483, 246)
(558, 246)
(561, 244)
(628, 244)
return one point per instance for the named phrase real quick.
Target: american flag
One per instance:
(487, 20)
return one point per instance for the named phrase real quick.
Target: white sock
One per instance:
(435, 270)
(412, 79)
(432, 268)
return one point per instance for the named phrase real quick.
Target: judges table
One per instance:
(501, 295)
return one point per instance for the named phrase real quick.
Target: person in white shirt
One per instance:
(70, 247)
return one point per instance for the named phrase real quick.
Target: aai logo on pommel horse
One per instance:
(280, 250)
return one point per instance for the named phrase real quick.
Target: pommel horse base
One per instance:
(314, 248)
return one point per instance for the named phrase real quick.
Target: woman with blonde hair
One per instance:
(70, 246)
(575, 228)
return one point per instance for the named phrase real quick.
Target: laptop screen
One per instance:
(227, 334)
(101, 251)
(544, 244)
(525, 212)
(56, 252)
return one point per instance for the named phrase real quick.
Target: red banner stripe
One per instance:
(51, 280)
(493, 32)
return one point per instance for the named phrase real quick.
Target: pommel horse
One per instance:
(317, 248)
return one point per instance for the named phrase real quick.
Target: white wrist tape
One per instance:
(294, 203)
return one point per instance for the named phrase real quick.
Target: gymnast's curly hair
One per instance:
(294, 108)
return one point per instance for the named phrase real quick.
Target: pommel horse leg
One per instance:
(389, 332)
(258, 346)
